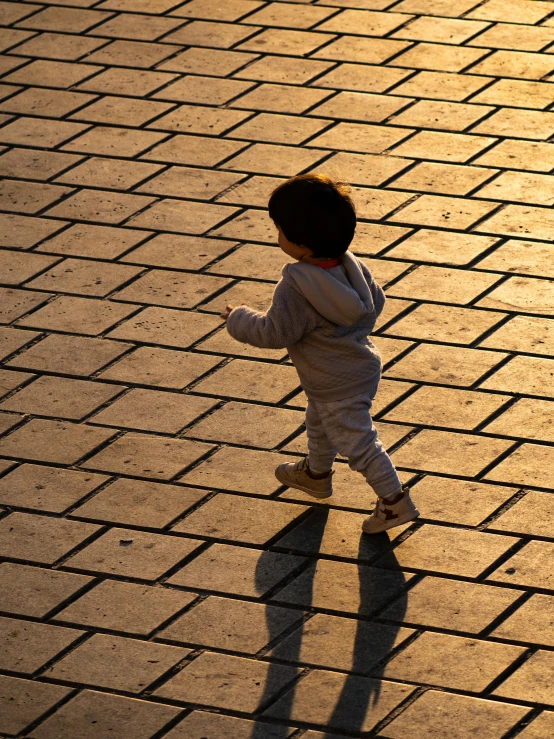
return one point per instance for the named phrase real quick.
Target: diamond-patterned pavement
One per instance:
(155, 580)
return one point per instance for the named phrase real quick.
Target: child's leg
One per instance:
(348, 426)
(321, 452)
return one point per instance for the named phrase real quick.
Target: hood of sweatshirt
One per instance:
(343, 299)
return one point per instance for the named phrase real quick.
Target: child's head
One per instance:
(315, 214)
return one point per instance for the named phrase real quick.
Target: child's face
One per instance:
(293, 250)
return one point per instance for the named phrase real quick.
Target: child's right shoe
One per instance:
(390, 513)
(295, 475)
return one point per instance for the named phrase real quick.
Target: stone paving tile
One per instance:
(459, 501)
(239, 470)
(442, 247)
(37, 165)
(446, 407)
(523, 334)
(239, 519)
(364, 138)
(441, 211)
(528, 682)
(446, 714)
(340, 643)
(69, 355)
(166, 368)
(527, 568)
(517, 154)
(443, 86)
(326, 699)
(22, 232)
(153, 410)
(198, 120)
(142, 455)
(528, 465)
(235, 570)
(51, 103)
(530, 257)
(43, 540)
(343, 588)
(243, 685)
(43, 488)
(205, 33)
(103, 714)
(280, 98)
(438, 57)
(34, 591)
(116, 174)
(117, 662)
(452, 662)
(513, 36)
(137, 554)
(359, 106)
(452, 551)
(281, 69)
(449, 324)
(60, 397)
(125, 607)
(28, 646)
(541, 725)
(87, 240)
(526, 124)
(530, 623)
(199, 724)
(25, 701)
(229, 624)
(222, 343)
(250, 260)
(175, 251)
(444, 285)
(120, 111)
(140, 141)
(469, 453)
(242, 379)
(530, 374)
(160, 287)
(163, 326)
(139, 503)
(530, 416)
(273, 159)
(16, 303)
(455, 605)
(59, 442)
(249, 425)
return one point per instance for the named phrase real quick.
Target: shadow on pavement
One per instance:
(367, 647)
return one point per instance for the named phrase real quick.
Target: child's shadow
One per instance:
(368, 645)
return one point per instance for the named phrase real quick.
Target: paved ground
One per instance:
(156, 580)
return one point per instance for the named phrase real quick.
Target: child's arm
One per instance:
(376, 290)
(285, 323)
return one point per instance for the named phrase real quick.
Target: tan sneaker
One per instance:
(390, 513)
(295, 475)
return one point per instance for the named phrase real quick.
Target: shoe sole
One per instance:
(397, 522)
(313, 493)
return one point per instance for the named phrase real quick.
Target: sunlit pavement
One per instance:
(157, 582)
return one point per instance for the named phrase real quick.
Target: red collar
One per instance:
(329, 264)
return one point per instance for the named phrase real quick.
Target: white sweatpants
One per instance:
(345, 427)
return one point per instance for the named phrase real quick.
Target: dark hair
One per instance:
(315, 211)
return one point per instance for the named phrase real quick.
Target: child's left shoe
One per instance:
(295, 475)
(390, 513)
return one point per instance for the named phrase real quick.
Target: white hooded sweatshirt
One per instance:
(323, 317)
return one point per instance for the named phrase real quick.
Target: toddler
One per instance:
(323, 310)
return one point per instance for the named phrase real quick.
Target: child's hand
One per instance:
(226, 312)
